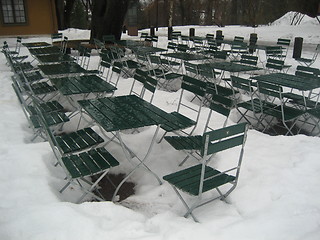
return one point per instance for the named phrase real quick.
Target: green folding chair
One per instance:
(197, 180)
(179, 122)
(162, 70)
(147, 84)
(285, 44)
(77, 153)
(14, 61)
(52, 113)
(191, 144)
(273, 105)
(309, 61)
(247, 101)
(312, 100)
(276, 65)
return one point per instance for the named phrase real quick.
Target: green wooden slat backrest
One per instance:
(275, 64)
(283, 41)
(148, 38)
(193, 85)
(139, 78)
(210, 36)
(182, 47)
(56, 36)
(307, 71)
(274, 51)
(305, 74)
(221, 104)
(45, 121)
(19, 39)
(150, 84)
(185, 38)
(248, 59)
(175, 35)
(238, 39)
(197, 40)
(143, 35)
(238, 45)
(275, 61)
(224, 138)
(105, 64)
(270, 89)
(212, 43)
(220, 54)
(191, 67)
(206, 71)
(172, 46)
(117, 67)
(154, 38)
(241, 83)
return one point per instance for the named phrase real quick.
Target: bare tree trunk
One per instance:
(218, 7)
(108, 17)
(67, 12)
(182, 4)
(170, 15)
(88, 6)
(60, 13)
(209, 9)
(63, 11)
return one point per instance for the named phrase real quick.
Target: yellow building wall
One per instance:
(41, 19)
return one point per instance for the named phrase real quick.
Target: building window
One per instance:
(13, 11)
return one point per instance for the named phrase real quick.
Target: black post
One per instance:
(152, 32)
(170, 30)
(253, 38)
(192, 32)
(253, 42)
(297, 47)
(218, 34)
(219, 37)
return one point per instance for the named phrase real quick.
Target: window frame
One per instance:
(14, 6)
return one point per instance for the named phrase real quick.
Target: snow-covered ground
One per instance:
(278, 195)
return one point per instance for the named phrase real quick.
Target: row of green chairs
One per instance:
(78, 152)
(271, 107)
(81, 158)
(204, 176)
